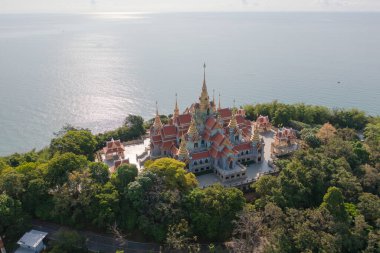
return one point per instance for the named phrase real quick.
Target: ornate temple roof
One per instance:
(157, 124)
(200, 155)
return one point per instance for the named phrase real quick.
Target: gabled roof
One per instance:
(213, 152)
(240, 119)
(32, 238)
(206, 136)
(210, 123)
(200, 155)
(156, 138)
(217, 138)
(243, 146)
(167, 145)
(262, 119)
(183, 119)
(225, 112)
(112, 144)
(169, 130)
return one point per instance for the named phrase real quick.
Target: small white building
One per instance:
(31, 242)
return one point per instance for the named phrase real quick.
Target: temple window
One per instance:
(236, 138)
(196, 145)
(200, 162)
(203, 142)
(195, 163)
(247, 152)
(206, 161)
(230, 165)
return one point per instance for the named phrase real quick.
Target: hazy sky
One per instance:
(186, 5)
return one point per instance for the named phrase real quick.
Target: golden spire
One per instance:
(213, 100)
(182, 151)
(176, 109)
(157, 120)
(255, 134)
(219, 103)
(233, 122)
(192, 131)
(204, 98)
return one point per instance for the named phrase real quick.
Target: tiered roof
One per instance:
(113, 146)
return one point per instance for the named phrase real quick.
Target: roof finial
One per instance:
(219, 103)
(204, 76)
(157, 120)
(234, 104)
(176, 109)
(213, 100)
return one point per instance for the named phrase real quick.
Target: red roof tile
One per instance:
(225, 113)
(217, 138)
(156, 138)
(213, 152)
(200, 155)
(240, 119)
(169, 130)
(210, 122)
(243, 146)
(183, 119)
(167, 145)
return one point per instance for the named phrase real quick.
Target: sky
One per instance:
(26, 6)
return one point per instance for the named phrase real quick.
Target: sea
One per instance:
(91, 70)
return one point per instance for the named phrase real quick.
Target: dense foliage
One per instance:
(325, 198)
(301, 114)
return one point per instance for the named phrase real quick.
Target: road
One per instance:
(96, 242)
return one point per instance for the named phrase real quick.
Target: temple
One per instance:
(285, 142)
(263, 124)
(208, 137)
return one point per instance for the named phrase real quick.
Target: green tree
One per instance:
(106, 206)
(174, 173)
(156, 205)
(372, 139)
(68, 241)
(60, 166)
(72, 201)
(179, 237)
(124, 174)
(12, 183)
(212, 210)
(136, 124)
(99, 172)
(333, 201)
(370, 179)
(12, 219)
(79, 142)
(369, 206)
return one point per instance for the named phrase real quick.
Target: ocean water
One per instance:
(92, 70)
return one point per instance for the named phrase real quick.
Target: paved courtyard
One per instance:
(130, 152)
